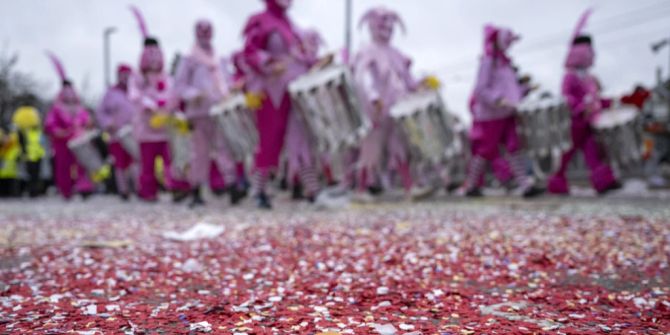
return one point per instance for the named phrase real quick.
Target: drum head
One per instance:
(615, 117)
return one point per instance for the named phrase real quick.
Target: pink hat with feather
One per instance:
(581, 53)
(152, 55)
(67, 93)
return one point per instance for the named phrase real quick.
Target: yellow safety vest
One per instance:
(9, 158)
(34, 148)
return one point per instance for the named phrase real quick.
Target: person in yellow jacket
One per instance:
(28, 123)
(9, 157)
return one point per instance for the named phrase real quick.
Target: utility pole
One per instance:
(347, 30)
(106, 56)
(656, 48)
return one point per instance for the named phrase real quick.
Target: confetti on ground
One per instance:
(495, 266)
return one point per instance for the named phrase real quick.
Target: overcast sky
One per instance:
(443, 37)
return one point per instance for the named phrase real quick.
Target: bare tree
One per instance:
(16, 88)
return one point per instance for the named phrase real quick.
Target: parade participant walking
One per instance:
(200, 83)
(582, 93)
(496, 96)
(383, 74)
(115, 112)
(66, 119)
(150, 92)
(273, 56)
(28, 124)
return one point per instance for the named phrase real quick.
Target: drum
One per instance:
(328, 103)
(238, 126)
(86, 153)
(428, 127)
(619, 131)
(180, 148)
(128, 142)
(544, 125)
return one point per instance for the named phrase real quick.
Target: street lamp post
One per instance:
(656, 48)
(347, 29)
(106, 38)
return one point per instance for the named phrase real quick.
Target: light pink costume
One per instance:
(200, 84)
(383, 74)
(115, 112)
(151, 94)
(496, 96)
(582, 93)
(301, 158)
(66, 119)
(271, 42)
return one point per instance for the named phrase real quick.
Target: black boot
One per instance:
(297, 193)
(196, 198)
(237, 194)
(179, 196)
(263, 201)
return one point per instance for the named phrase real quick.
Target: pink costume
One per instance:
(496, 95)
(150, 92)
(200, 83)
(115, 112)
(383, 73)
(582, 93)
(272, 59)
(66, 119)
(301, 158)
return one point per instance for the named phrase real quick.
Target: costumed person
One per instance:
(154, 103)
(582, 93)
(200, 83)
(115, 112)
(496, 96)
(67, 119)
(383, 74)
(28, 123)
(301, 158)
(273, 58)
(10, 154)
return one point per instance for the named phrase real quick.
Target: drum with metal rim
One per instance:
(328, 102)
(544, 125)
(238, 126)
(85, 151)
(619, 131)
(427, 125)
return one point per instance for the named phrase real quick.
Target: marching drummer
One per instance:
(496, 96)
(383, 73)
(66, 119)
(115, 112)
(150, 92)
(273, 59)
(582, 93)
(200, 83)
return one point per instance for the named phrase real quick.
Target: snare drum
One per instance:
(86, 153)
(544, 126)
(428, 127)
(619, 131)
(128, 142)
(328, 103)
(237, 126)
